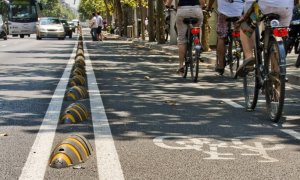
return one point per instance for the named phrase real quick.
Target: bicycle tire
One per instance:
(236, 56)
(275, 83)
(228, 56)
(251, 81)
(186, 64)
(192, 62)
(297, 64)
(196, 65)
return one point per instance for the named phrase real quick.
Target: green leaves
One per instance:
(56, 9)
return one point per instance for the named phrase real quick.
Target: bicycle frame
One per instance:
(233, 46)
(192, 44)
(275, 33)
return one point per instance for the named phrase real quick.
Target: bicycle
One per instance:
(193, 49)
(233, 46)
(269, 71)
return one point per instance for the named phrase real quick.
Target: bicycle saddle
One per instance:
(232, 19)
(190, 20)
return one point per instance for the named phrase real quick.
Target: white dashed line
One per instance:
(37, 160)
(233, 104)
(291, 132)
(108, 163)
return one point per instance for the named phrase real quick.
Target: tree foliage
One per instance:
(55, 9)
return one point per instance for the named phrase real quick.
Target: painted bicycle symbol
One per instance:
(213, 148)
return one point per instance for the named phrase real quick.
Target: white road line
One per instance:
(231, 103)
(291, 132)
(108, 163)
(37, 160)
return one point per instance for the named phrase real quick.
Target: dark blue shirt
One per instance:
(188, 2)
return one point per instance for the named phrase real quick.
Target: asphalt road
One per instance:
(161, 126)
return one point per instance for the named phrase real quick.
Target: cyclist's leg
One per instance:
(181, 41)
(222, 34)
(248, 45)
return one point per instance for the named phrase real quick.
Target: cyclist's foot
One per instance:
(245, 67)
(219, 70)
(180, 70)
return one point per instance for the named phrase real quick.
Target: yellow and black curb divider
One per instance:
(76, 93)
(79, 52)
(73, 150)
(79, 71)
(74, 113)
(80, 60)
(77, 80)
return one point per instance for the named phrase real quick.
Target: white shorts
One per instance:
(285, 13)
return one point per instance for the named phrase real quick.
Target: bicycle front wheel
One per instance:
(251, 81)
(275, 83)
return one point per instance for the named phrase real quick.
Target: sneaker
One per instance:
(245, 67)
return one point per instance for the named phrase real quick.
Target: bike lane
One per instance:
(165, 127)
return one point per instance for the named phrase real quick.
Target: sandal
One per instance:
(180, 70)
(247, 66)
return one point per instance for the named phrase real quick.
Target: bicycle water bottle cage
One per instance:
(190, 20)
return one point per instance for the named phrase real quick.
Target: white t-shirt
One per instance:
(94, 22)
(230, 9)
(99, 20)
(266, 5)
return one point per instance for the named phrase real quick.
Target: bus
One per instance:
(21, 16)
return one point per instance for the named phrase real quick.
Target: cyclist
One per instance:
(185, 9)
(226, 9)
(284, 10)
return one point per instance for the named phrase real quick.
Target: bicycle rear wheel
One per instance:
(229, 56)
(187, 60)
(236, 56)
(196, 62)
(251, 81)
(275, 83)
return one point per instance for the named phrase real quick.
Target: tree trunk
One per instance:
(151, 24)
(160, 22)
(142, 20)
(119, 20)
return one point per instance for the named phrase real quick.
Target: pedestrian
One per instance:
(100, 26)
(94, 27)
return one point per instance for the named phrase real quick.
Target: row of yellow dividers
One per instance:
(74, 149)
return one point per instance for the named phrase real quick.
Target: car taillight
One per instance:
(195, 30)
(280, 32)
(196, 41)
(236, 34)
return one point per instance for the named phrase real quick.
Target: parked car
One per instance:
(50, 27)
(67, 27)
(3, 29)
(72, 25)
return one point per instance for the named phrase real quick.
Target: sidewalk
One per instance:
(293, 73)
